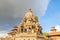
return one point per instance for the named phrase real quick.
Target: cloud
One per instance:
(17, 8)
(12, 11)
(57, 27)
(5, 27)
(3, 34)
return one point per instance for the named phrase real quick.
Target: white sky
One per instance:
(57, 27)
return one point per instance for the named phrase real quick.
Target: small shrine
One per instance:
(54, 35)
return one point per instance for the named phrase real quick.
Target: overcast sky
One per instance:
(12, 11)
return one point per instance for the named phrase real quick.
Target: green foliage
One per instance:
(36, 18)
(45, 33)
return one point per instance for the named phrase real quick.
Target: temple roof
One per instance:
(53, 29)
(53, 32)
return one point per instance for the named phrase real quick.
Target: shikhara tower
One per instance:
(28, 29)
(29, 24)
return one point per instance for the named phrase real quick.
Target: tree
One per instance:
(45, 33)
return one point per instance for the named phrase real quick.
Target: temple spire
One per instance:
(29, 13)
(30, 23)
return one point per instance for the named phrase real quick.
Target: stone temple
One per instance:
(28, 29)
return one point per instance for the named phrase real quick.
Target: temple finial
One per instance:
(29, 10)
(29, 13)
(53, 29)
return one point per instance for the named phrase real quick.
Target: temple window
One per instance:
(33, 27)
(21, 30)
(25, 30)
(29, 28)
